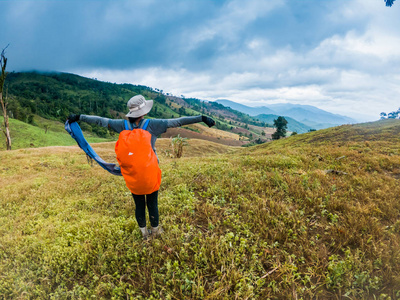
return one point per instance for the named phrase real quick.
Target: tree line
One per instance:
(391, 115)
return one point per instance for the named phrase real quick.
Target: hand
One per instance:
(73, 118)
(210, 122)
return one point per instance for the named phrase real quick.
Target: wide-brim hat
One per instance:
(138, 106)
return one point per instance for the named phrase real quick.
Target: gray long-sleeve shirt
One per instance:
(155, 127)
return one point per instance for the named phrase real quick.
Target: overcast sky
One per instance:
(339, 55)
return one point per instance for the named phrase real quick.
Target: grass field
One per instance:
(313, 216)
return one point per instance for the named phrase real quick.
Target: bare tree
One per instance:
(3, 101)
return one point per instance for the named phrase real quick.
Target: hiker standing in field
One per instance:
(138, 107)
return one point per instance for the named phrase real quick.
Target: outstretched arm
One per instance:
(159, 126)
(178, 122)
(116, 125)
(189, 120)
(99, 121)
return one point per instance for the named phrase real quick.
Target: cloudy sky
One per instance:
(339, 55)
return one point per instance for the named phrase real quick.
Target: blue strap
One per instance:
(146, 123)
(143, 125)
(76, 133)
(127, 125)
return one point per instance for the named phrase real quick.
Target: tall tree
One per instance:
(3, 100)
(281, 125)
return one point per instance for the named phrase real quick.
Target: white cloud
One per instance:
(229, 23)
(354, 49)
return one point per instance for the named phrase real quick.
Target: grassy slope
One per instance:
(200, 131)
(24, 135)
(261, 222)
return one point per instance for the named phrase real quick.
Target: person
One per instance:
(139, 107)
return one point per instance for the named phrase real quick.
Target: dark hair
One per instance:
(133, 120)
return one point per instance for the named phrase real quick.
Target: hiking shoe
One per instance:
(156, 231)
(145, 233)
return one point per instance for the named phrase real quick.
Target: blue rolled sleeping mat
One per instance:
(76, 133)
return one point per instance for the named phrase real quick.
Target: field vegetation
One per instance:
(200, 131)
(311, 216)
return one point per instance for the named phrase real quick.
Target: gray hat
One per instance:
(138, 106)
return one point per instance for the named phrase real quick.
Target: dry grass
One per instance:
(268, 130)
(212, 135)
(255, 223)
(213, 132)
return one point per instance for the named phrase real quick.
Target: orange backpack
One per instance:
(138, 162)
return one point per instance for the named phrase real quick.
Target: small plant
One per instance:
(46, 128)
(178, 143)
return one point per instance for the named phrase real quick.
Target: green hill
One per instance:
(54, 96)
(312, 216)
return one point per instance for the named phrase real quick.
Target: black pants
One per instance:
(151, 201)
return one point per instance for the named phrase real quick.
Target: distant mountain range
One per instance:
(307, 116)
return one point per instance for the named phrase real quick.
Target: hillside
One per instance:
(312, 216)
(53, 96)
(217, 136)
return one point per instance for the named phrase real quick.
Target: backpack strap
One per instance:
(127, 125)
(144, 124)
